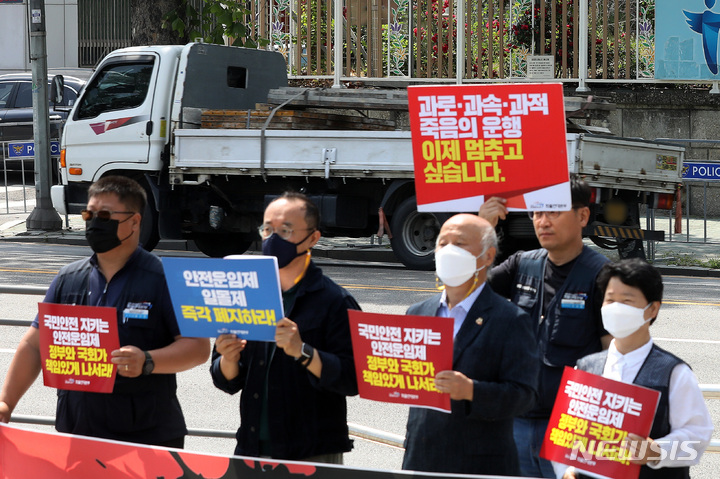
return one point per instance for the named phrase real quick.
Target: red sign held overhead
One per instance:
(471, 142)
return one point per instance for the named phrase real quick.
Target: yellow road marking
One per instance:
(389, 288)
(32, 271)
(691, 303)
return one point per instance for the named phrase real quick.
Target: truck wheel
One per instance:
(414, 236)
(149, 232)
(631, 248)
(223, 244)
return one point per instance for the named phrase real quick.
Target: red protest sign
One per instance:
(75, 346)
(397, 357)
(475, 141)
(591, 418)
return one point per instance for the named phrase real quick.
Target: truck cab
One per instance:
(123, 121)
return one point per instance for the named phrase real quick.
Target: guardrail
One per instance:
(356, 430)
(710, 391)
(26, 162)
(4, 149)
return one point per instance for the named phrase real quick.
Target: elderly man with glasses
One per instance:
(556, 286)
(143, 407)
(293, 402)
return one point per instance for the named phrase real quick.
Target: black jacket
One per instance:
(496, 348)
(307, 416)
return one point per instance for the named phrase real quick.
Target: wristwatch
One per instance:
(149, 364)
(306, 354)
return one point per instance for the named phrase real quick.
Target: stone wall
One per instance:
(652, 113)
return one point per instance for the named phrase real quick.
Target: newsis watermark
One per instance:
(627, 451)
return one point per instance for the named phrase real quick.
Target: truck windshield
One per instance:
(119, 86)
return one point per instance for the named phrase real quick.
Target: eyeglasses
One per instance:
(102, 215)
(551, 215)
(284, 232)
(536, 215)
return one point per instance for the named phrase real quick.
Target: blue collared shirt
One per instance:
(460, 310)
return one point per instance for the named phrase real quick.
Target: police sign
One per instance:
(701, 171)
(27, 149)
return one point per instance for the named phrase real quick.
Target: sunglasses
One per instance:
(103, 215)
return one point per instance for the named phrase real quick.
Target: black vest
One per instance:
(569, 331)
(654, 373)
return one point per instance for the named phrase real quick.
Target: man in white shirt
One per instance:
(682, 428)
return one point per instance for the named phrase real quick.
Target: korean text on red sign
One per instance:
(474, 140)
(397, 357)
(75, 346)
(591, 419)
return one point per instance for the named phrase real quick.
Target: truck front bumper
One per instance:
(69, 199)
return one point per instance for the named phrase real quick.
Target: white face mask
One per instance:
(621, 320)
(455, 265)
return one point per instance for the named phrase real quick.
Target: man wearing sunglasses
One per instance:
(143, 407)
(556, 286)
(293, 390)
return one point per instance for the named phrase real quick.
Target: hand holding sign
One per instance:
(455, 383)
(594, 425)
(129, 360)
(229, 347)
(642, 450)
(287, 337)
(493, 209)
(4, 412)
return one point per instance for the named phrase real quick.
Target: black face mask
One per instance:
(102, 234)
(283, 250)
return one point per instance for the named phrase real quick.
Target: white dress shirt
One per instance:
(460, 310)
(688, 413)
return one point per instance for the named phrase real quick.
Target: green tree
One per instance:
(213, 21)
(146, 19)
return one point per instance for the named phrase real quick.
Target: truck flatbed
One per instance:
(609, 162)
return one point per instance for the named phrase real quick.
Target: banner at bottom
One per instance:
(25, 453)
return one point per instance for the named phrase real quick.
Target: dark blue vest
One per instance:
(654, 373)
(569, 330)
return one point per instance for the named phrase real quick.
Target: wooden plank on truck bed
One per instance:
(291, 119)
(396, 100)
(361, 99)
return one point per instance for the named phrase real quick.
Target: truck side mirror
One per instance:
(57, 90)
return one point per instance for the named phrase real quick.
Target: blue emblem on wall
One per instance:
(707, 25)
(687, 40)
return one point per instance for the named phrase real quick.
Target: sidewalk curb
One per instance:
(693, 271)
(365, 254)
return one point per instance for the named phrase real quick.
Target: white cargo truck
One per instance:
(141, 115)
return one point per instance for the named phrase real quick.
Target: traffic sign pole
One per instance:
(43, 216)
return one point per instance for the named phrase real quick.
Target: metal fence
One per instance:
(591, 40)
(697, 228)
(710, 391)
(17, 194)
(426, 39)
(103, 26)
(16, 198)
